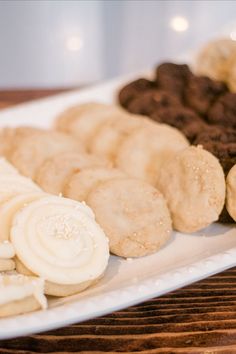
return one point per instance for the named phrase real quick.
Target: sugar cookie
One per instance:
(145, 150)
(20, 294)
(57, 239)
(28, 156)
(194, 186)
(231, 192)
(108, 137)
(212, 59)
(9, 208)
(54, 172)
(81, 183)
(133, 215)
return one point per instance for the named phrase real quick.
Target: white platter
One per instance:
(187, 258)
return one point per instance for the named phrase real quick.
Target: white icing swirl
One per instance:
(59, 240)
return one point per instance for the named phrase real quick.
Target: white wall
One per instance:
(40, 40)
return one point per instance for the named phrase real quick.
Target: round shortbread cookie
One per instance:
(194, 186)
(133, 215)
(81, 183)
(58, 239)
(85, 126)
(9, 209)
(29, 155)
(212, 59)
(109, 136)
(64, 120)
(231, 192)
(54, 172)
(145, 150)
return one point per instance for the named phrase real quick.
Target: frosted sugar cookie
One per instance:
(54, 172)
(28, 156)
(59, 240)
(194, 186)
(12, 185)
(144, 151)
(81, 183)
(231, 192)
(133, 215)
(20, 294)
(9, 208)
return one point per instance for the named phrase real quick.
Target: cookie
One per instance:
(58, 239)
(7, 265)
(152, 102)
(54, 172)
(133, 215)
(212, 59)
(144, 151)
(223, 111)
(20, 294)
(29, 155)
(110, 135)
(231, 192)
(9, 208)
(81, 183)
(7, 254)
(64, 119)
(172, 77)
(12, 185)
(194, 186)
(200, 93)
(85, 124)
(135, 89)
(6, 168)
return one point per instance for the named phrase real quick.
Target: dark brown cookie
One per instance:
(223, 111)
(181, 118)
(134, 89)
(152, 102)
(172, 77)
(201, 92)
(216, 134)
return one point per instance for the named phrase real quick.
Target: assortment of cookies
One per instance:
(105, 180)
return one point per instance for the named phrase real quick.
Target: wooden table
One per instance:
(200, 318)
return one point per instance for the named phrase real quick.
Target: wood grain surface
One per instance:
(200, 318)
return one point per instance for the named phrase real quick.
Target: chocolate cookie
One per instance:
(172, 77)
(152, 102)
(134, 89)
(201, 92)
(223, 111)
(181, 118)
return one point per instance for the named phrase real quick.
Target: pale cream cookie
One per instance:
(133, 215)
(212, 59)
(81, 183)
(59, 240)
(143, 153)
(29, 155)
(110, 134)
(231, 192)
(194, 186)
(54, 172)
(20, 294)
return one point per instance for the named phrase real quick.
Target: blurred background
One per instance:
(73, 43)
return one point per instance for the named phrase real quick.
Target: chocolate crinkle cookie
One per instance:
(134, 89)
(153, 101)
(201, 91)
(223, 111)
(172, 77)
(182, 118)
